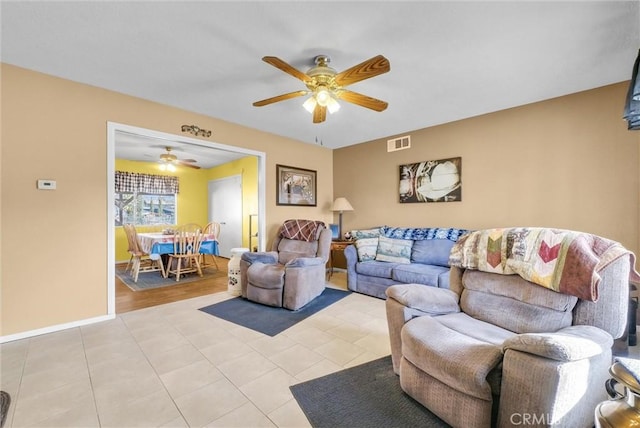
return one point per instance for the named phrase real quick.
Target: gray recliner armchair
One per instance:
(498, 350)
(293, 273)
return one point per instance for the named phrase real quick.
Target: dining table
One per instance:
(158, 243)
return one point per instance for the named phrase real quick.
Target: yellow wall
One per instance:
(568, 162)
(192, 199)
(56, 129)
(247, 167)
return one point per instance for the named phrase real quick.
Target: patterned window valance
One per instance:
(133, 182)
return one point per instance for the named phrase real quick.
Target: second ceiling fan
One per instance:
(325, 85)
(170, 161)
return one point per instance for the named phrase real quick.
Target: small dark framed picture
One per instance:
(295, 186)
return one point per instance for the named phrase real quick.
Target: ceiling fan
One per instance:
(169, 161)
(325, 85)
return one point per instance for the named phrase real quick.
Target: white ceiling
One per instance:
(449, 60)
(142, 148)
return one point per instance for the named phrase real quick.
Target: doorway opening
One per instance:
(114, 130)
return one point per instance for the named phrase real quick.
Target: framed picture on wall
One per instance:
(295, 186)
(431, 181)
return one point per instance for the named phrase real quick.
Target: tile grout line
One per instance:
(93, 392)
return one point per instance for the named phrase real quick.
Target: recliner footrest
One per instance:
(462, 362)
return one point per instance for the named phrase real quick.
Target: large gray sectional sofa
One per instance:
(383, 256)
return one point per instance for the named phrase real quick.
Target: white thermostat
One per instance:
(47, 184)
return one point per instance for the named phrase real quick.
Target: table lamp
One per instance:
(341, 205)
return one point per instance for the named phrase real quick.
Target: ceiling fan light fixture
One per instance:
(167, 166)
(333, 105)
(310, 104)
(326, 86)
(323, 96)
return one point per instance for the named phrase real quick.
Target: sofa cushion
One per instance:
(289, 249)
(443, 279)
(464, 360)
(266, 275)
(373, 285)
(366, 248)
(376, 269)
(432, 252)
(394, 250)
(416, 273)
(514, 303)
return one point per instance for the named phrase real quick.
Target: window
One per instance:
(145, 199)
(144, 209)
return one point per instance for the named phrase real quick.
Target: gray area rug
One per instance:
(149, 280)
(5, 401)
(267, 319)
(367, 396)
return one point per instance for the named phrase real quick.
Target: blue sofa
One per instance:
(384, 256)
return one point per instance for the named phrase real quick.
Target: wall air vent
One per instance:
(399, 143)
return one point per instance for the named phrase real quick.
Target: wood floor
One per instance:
(128, 300)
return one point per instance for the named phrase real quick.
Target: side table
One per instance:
(336, 246)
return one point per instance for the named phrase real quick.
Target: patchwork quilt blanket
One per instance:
(562, 260)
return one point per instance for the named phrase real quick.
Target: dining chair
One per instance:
(132, 248)
(210, 230)
(186, 251)
(140, 261)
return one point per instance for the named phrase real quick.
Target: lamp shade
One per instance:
(341, 204)
(632, 105)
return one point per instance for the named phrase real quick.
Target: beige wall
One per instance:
(568, 163)
(54, 243)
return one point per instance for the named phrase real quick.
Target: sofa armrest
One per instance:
(407, 301)
(304, 262)
(351, 255)
(268, 257)
(559, 375)
(568, 344)
(424, 298)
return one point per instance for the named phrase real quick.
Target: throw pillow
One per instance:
(367, 248)
(366, 233)
(394, 250)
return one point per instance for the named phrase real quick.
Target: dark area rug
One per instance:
(149, 280)
(367, 396)
(5, 401)
(267, 319)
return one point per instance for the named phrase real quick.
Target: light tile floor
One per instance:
(173, 365)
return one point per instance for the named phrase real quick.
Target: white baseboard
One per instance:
(54, 328)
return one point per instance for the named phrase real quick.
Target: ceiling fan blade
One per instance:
(280, 64)
(361, 100)
(319, 114)
(183, 163)
(370, 68)
(188, 160)
(280, 98)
